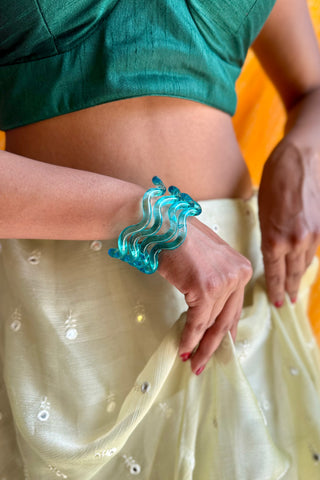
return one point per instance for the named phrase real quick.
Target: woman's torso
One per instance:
(185, 143)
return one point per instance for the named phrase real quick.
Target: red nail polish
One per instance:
(278, 304)
(185, 356)
(293, 300)
(200, 370)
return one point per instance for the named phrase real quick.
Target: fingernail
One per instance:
(278, 304)
(185, 356)
(293, 300)
(200, 370)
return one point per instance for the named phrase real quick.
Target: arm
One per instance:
(289, 191)
(40, 200)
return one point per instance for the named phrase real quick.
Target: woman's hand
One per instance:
(212, 276)
(289, 211)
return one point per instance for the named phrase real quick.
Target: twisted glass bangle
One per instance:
(140, 244)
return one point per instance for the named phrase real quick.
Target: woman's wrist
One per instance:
(302, 126)
(162, 226)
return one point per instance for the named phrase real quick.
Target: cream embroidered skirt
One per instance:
(91, 387)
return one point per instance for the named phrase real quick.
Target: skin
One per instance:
(91, 167)
(289, 189)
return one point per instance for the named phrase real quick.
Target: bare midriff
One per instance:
(185, 143)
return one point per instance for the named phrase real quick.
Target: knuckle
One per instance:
(246, 270)
(195, 327)
(208, 285)
(274, 280)
(293, 292)
(272, 245)
(232, 277)
(271, 261)
(299, 235)
(294, 276)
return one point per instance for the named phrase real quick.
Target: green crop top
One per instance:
(58, 56)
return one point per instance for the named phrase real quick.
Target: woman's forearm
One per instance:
(44, 201)
(303, 124)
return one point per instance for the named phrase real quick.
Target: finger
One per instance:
(275, 270)
(198, 320)
(214, 335)
(295, 267)
(310, 253)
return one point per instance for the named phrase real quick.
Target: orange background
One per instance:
(259, 122)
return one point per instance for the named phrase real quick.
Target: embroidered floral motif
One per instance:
(294, 371)
(243, 349)
(16, 318)
(145, 387)
(132, 465)
(26, 473)
(44, 412)
(58, 472)
(96, 245)
(34, 257)
(139, 313)
(71, 331)
(109, 452)
(166, 410)
(188, 456)
(111, 403)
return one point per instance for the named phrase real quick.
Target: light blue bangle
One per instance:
(140, 244)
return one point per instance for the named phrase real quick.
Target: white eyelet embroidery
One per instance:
(165, 409)
(311, 344)
(16, 320)
(145, 387)
(71, 331)
(111, 403)
(34, 257)
(294, 371)
(188, 456)
(140, 314)
(133, 466)
(26, 474)
(316, 457)
(58, 473)
(96, 245)
(106, 453)
(44, 412)
(243, 349)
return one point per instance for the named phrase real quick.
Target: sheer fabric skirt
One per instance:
(91, 387)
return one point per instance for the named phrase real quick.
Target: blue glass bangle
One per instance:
(140, 244)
